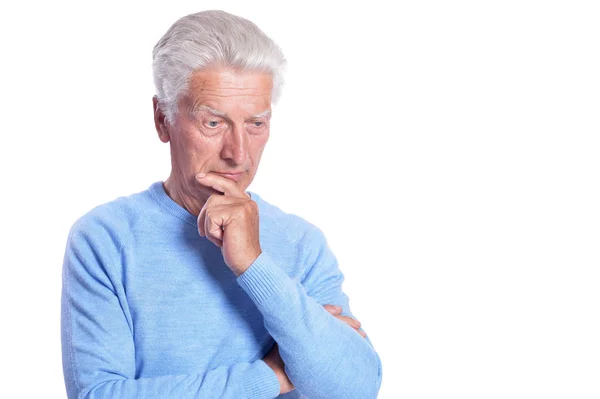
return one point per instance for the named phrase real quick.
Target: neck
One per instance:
(179, 193)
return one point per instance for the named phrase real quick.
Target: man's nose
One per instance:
(236, 145)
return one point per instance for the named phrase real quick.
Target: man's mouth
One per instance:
(232, 176)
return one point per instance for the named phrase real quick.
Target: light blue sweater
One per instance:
(151, 310)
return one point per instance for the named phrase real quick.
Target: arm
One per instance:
(97, 340)
(324, 357)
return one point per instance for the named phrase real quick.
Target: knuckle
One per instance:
(213, 199)
(251, 208)
(250, 205)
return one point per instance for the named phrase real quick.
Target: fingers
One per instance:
(350, 321)
(355, 324)
(222, 184)
(215, 203)
(215, 231)
(334, 310)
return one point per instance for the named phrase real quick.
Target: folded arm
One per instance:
(324, 357)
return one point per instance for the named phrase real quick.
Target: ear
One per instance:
(160, 121)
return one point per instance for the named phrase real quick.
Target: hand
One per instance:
(273, 360)
(230, 221)
(336, 311)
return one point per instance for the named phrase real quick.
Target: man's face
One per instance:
(222, 125)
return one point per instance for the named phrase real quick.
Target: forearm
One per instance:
(98, 349)
(245, 380)
(323, 356)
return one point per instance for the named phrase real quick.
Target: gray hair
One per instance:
(210, 38)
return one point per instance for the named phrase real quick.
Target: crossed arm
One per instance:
(275, 362)
(322, 355)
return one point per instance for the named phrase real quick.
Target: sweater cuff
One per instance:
(260, 382)
(263, 279)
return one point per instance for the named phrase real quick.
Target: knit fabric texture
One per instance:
(151, 310)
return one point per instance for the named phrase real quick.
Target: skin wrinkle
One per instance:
(236, 145)
(231, 146)
(198, 108)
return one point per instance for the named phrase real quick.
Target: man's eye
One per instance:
(213, 123)
(258, 123)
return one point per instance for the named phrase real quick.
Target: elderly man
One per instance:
(178, 291)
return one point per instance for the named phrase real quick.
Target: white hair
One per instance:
(210, 38)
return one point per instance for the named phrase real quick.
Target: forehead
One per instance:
(224, 82)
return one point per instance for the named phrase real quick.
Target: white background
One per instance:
(448, 150)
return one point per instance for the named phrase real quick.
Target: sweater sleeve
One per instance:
(323, 356)
(97, 341)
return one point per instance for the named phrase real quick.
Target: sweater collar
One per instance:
(167, 204)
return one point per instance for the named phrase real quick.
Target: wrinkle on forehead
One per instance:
(197, 107)
(225, 82)
(224, 90)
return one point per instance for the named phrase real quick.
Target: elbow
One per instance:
(373, 383)
(378, 378)
(356, 382)
(366, 385)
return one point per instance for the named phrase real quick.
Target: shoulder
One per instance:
(113, 220)
(94, 245)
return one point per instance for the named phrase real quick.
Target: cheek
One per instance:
(261, 140)
(195, 147)
(258, 146)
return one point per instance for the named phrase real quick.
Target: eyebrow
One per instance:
(197, 108)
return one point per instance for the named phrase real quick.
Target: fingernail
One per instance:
(200, 175)
(338, 308)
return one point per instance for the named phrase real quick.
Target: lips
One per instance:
(232, 176)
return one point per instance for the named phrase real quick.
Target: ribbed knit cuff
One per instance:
(262, 279)
(260, 382)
